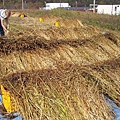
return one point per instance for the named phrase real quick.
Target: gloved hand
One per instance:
(6, 32)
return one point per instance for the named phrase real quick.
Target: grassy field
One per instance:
(111, 22)
(62, 73)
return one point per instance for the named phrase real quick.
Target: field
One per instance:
(62, 72)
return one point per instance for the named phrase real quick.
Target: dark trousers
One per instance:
(1, 30)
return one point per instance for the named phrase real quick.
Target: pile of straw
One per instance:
(61, 73)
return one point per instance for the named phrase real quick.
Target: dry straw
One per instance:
(60, 73)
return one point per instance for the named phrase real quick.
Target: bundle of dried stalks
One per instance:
(61, 73)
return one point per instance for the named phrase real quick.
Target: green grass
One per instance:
(100, 20)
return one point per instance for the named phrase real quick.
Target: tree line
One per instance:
(28, 4)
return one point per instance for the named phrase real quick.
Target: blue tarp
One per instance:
(115, 109)
(0, 98)
(117, 112)
(17, 117)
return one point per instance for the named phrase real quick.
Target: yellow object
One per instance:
(6, 99)
(22, 15)
(57, 24)
(41, 19)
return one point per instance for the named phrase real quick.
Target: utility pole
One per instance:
(3, 3)
(60, 4)
(76, 4)
(112, 10)
(60, 9)
(94, 6)
(22, 4)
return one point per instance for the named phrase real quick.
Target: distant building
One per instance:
(101, 9)
(105, 9)
(91, 8)
(108, 9)
(77, 8)
(50, 6)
